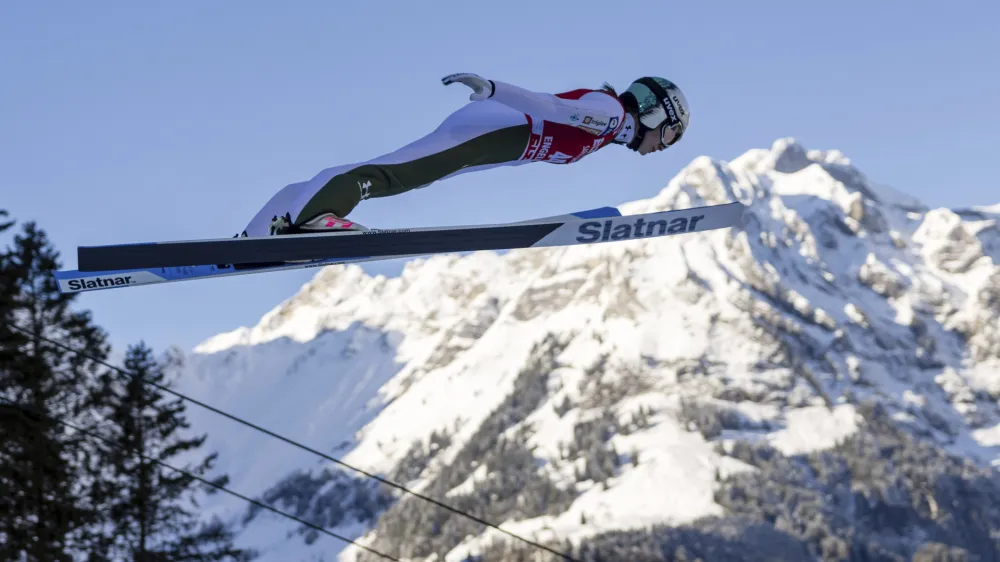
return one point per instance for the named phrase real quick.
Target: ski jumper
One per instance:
(512, 127)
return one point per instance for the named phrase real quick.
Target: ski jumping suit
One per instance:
(512, 127)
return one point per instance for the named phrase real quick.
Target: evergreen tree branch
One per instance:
(36, 416)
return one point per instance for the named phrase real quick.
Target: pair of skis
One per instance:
(130, 265)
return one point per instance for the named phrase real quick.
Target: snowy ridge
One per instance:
(593, 375)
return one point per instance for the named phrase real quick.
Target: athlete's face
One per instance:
(657, 139)
(650, 143)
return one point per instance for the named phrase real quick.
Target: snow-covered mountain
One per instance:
(787, 389)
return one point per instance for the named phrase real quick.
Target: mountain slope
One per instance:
(581, 393)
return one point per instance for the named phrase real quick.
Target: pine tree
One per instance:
(45, 513)
(149, 516)
(5, 225)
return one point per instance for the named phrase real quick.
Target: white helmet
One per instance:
(658, 101)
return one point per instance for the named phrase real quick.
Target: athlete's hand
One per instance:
(481, 87)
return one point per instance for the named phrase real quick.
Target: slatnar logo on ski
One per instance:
(592, 231)
(99, 282)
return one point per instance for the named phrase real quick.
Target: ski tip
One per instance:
(598, 213)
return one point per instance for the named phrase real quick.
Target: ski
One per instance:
(74, 281)
(407, 241)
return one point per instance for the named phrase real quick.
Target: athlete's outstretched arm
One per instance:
(569, 108)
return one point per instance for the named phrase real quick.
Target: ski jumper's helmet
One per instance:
(657, 101)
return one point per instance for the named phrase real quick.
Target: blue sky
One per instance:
(141, 121)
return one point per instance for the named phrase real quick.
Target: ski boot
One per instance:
(280, 226)
(324, 222)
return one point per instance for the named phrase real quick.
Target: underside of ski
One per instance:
(78, 281)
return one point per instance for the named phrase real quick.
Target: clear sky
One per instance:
(140, 121)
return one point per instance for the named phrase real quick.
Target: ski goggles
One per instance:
(670, 133)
